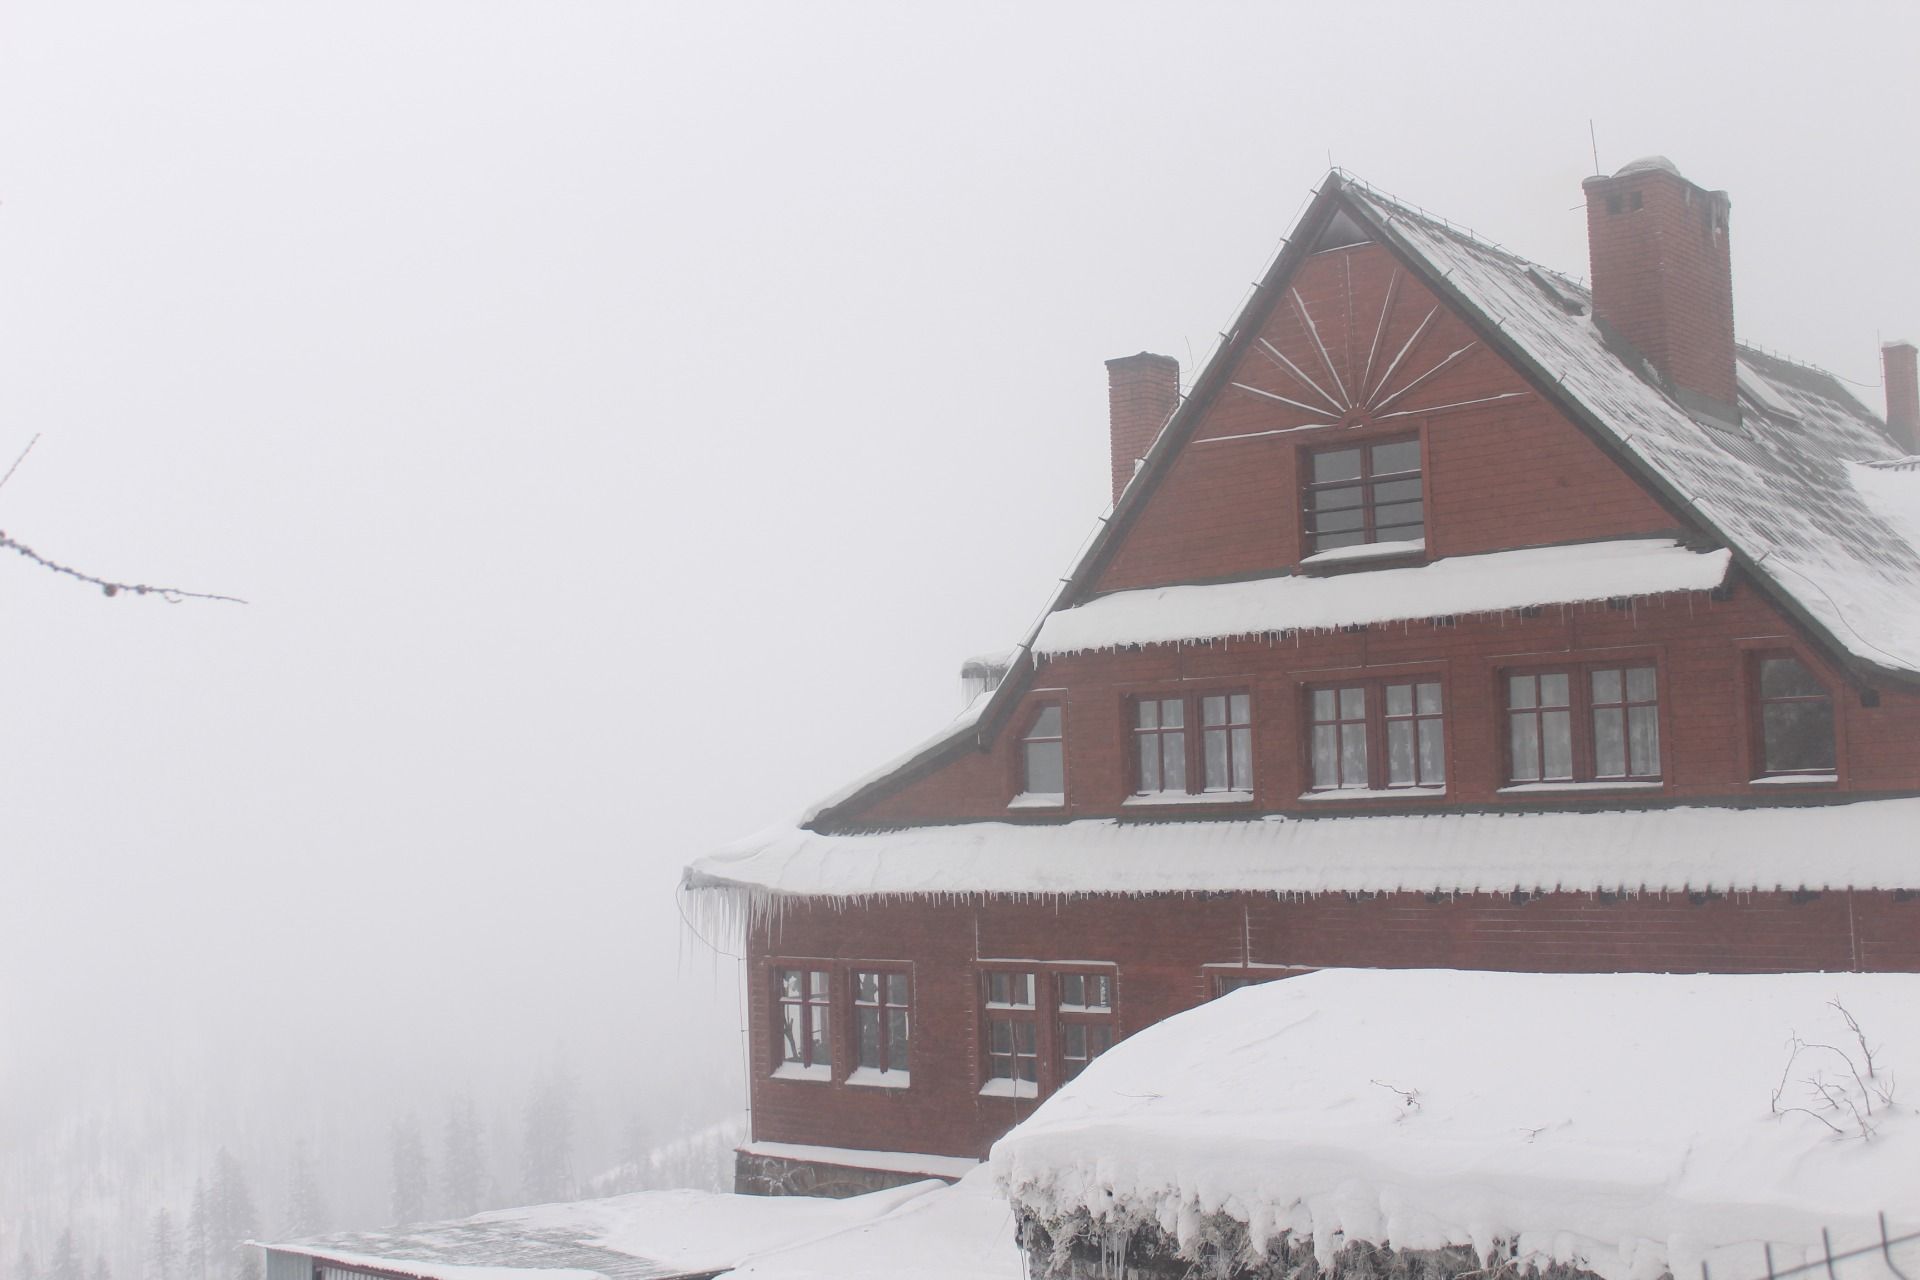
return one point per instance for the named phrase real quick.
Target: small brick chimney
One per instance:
(1897, 360)
(1142, 392)
(1663, 278)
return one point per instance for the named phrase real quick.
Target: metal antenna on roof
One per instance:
(1594, 139)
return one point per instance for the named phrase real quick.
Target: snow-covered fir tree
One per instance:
(66, 1259)
(306, 1203)
(197, 1232)
(546, 1159)
(163, 1247)
(464, 1180)
(409, 1171)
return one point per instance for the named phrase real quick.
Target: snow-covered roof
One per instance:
(1631, 1124)
(962, 1232)
(648, 1235)
(1460, 585)
(1866, 844)
(1777, 487)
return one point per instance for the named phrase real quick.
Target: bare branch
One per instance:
(1853, 1024)
(172, 595)
(22, 458)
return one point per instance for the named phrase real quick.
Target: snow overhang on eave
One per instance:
(1494, 583)
(1863, 844)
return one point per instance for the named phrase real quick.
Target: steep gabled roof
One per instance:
(1777, 489)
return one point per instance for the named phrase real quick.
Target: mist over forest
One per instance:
(621, 420)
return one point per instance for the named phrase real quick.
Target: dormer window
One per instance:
(1043, 759)
(1365, 495)
(1795, 721)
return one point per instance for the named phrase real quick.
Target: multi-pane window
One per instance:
(881, 1021)
(806, 1038)
(1350, 721)
(1084, 1006)
(1364, 493)
(1013, 1033)
(1796, 718)
(1584, 724)
(1160, 745)
(1171, 758)
(1043, 755)
(1226, 739)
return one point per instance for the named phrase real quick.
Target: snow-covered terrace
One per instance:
(1633, 1125)
(1494, 583)
(648, 1235)
(1867, 844)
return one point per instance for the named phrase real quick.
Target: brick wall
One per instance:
(1162, 945)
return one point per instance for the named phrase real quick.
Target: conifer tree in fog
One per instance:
(100, 1270)
(306, 1204)
(546, 1158)
(197, 1234)
(163, 1247)
(465, 1180)
(409, 1171)
(66, 1259)
(227, 1210)
(27, 1268)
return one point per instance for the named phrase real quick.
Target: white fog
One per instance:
(620, 420)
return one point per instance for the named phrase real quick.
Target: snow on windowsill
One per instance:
(874, 1078)
(1368, 551)
(794, 1071)
(1188, 797)
(1795, 780)
(1370, 793)
(1575, 788)
(1010, 1089)
(1038, 800)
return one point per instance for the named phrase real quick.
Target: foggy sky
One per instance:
(623, 418)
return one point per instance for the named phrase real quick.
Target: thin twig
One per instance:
(17, 461)
(170, 594)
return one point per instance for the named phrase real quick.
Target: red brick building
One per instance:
(1457, 616)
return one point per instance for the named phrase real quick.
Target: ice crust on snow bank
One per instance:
(1495, 582)
(1619, 1122)
(1867, 844)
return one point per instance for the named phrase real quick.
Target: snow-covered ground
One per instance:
(1631, 1124)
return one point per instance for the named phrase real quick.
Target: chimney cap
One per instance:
(1142, 357)
(1649, 164)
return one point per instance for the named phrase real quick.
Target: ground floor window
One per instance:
(805, 1001)
(881, 1026)
(1041, 1026)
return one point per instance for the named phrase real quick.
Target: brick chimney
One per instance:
(1903, 394)
(1663, 278)
(1142, 392)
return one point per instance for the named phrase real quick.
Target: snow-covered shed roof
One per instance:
(1634, 1125)
(648, 1235)
(961, 1232)
(1866, 844)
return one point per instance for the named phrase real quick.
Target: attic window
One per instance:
(1341, 231)
(1794, 729)
(1364, 493)
(1043, 758)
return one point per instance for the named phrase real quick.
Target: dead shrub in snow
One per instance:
(1844, 1086)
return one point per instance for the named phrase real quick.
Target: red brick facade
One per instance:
(1502, 467)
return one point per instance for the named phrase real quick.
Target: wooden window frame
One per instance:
(1757, 703)
(1091, 1019)
(1367, 479)
(1015, 1015)
(1224, 979)
(1583, 765)
(813, 1009)
(1047, 1016)
(1021, 772)
(1374, 721)
(881, 1008)
(1194, 731)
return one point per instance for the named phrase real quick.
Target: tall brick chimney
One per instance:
(1142, 392)
(1897, 360)
(1663, 278)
